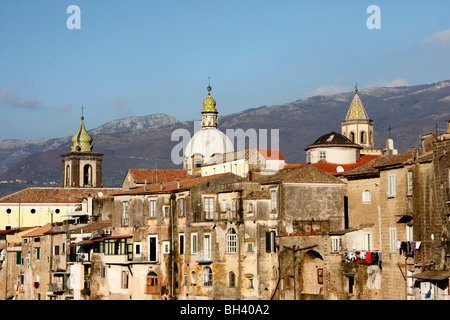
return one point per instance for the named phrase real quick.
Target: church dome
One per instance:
(209, 104)
(208, 142)
(333, 139)
(82, 140)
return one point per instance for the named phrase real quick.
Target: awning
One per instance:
(404, 218)
(436, 275)
(113, 237)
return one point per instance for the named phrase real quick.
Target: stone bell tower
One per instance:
(82, 168)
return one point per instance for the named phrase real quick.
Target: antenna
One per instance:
(82, 112)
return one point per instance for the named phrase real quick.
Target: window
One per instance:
(231, 279)
(363, 137)
(367, 196)
(124, 283)
(19, 261)
(152, 282)
(57, 211)
(410, 183)
(181, 207)
(352, 136)
(87, 175)
(250, 283)
(250, 207)
(103, 272)
(153, 248)
(166, 247)
(33, 211)
(409, 232)
(231, 241)
(308, 157)
(233, 208)
(193, 243)
(197, 163)
(270, 241)
(207, 246)
(137, 249)
(320, 275)
(273, 198)
(152, 208)
(8, 211)
(351, 283)
(208, 207)
(392, 240)
(391, 185)
(56, 250)
(207, 277)
(224, 205)
(323, 155)
(125, 205)
(38, 253)
(250, 247)
(181, 244)
(67, 176)
(335, 244)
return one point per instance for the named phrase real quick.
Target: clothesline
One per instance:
(370, 257)
(408, 248)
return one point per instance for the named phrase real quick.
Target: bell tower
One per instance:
(82, 168)
(357, 126)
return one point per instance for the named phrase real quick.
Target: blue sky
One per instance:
(141, 57)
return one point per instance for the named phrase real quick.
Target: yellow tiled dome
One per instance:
(82, 140)
(209, 104)
(356, 110)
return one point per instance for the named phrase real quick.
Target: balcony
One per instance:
(204, 257)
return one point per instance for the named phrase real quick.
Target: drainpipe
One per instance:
(172, 248)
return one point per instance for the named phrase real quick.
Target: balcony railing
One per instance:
(204, 256)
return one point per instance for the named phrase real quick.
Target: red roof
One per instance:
(55, 195)
(158, 175)
(171, 185)
(332, 167)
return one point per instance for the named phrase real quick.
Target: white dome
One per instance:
(207, 142)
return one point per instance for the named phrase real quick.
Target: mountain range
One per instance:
(403, 113)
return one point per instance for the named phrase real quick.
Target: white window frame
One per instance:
(335, 244)
(137, 252)
(181, 244)
(125, 215)
(207, 245)
(273, 199)
(156, 248)
(166, 247)
(368, 241)
(224, 205)
(207, 277)
(391, 185)
(367, 196)
(234, 208)
(208, 207)
(409, 232)
(410, 183)
(181, 207)
(231, 241)
(323, 155)
(194, 243)
(152, 205)
(392, 240)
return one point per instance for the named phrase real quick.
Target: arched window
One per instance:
(207, 277)
(231, 279)
(367, 196)
(87, 175)
(352, 136)
(363, 137)
(231, 241)
(152, 282)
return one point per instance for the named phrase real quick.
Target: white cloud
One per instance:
(442, 37)
(330, 89)
(10, 100)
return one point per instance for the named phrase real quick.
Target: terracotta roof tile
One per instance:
(38, 231)
(171, 185)
(55, 195)
(158, 175)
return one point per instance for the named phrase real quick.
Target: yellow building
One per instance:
(39, 206)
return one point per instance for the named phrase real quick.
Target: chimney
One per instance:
(145, 185)
(160, 186)
(448, 126)
(178, 184)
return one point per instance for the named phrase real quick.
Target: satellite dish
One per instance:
(339, 169)
(100, 232)
(100, 194)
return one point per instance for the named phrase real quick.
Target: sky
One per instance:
(143, 57)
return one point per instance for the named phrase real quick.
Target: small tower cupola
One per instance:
(210, 117)
(82, 168)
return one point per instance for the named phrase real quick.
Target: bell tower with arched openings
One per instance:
(82, 168)
(357, 126)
